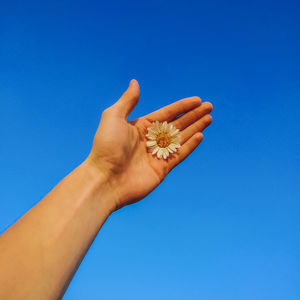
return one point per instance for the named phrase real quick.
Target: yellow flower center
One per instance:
(163, 140)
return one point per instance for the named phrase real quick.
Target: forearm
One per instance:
(40, 253)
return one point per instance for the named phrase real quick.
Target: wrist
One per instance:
(101, 183)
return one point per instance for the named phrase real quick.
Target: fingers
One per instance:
(129, 99)
(185, 150)
(198, 126)
(170, 112)
(192, 116)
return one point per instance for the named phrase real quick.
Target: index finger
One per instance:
(170, 112)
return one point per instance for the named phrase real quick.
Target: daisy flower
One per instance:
(163, 139)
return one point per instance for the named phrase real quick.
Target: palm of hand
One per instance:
(120, 147)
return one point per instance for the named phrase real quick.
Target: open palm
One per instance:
(119, 148)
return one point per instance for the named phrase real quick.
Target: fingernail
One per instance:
(131, 81)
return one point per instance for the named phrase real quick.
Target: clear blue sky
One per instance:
(225, 224)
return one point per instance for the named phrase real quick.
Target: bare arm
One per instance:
(40, 253)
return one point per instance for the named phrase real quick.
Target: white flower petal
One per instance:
(159, 153)
(176, 140)
(170, 150)
(152, 138)
(165, 126)
(166, 152)
(154, 127)
(151, 143)
(173, 147)
(170, 127)
(153, 131)
(160, 127)
(155, 150)
(174, 132)
(164, 155)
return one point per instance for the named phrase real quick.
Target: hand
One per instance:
(119, 150)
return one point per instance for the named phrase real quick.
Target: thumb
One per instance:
(129, 99)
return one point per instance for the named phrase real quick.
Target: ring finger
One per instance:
(197, 126)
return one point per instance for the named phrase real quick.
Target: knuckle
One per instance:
(195, 114)
(106, 112)
(111, 109)
(169, 111)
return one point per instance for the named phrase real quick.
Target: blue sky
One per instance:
(223, 225)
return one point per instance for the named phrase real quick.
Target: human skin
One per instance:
(40, 253)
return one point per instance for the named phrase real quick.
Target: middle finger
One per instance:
(192, 116)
